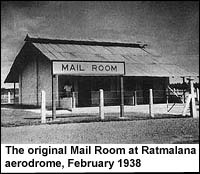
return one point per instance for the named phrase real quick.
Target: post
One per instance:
(101, 104)
(187, 103)
(20, 88)
(73, 100)
(184, 97)
(122, 96)
(14, 93)
(135, 98)
(53, 97)
(193, 112)
(197, 91)
(43, 107)
(167, 98)
(151, 113)
(9, 97)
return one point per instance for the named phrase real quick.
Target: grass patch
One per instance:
(11, 117)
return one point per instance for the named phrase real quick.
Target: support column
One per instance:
(20, 88)
(167, 97)
(54, 95)
(14, 94)
(122, 96)
(56, 90)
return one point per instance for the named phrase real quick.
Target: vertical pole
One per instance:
(73, 100)
(167, 91)
(20, 88)
(193, 112)
(53, 98)
(101, 104)
(14, 93)
(187, 103)
(135, 98)
(56, 89)
(151, 112)
(37, 81)
(43, 107)
(184, 97)
(122, 96)
(9, 97)
(197, 91)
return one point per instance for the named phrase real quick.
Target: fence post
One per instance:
(9, 97)
(135, 98)
(73, 100)
(101, 104)
(151, 113)
(187, 103)
(43, 107)
(193, 112)
(197, 91)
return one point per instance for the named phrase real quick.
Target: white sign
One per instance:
(88, 68)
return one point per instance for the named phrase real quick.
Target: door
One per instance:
(84, 92)
(147, 84)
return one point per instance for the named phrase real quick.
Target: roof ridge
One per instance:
(83, 42)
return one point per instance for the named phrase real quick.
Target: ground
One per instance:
(171, 130)
(136, 128)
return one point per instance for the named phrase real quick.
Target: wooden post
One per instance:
(186, 105)
(151, 112)
(20, 88)
(73, 100)
(135, 98)
(9, 97)
(101, 104)
(43, 107)
(167, 98)
(54, 97)
(14, 94)
(197, 92)
(122, 96)
(193, 112)
(184, 97)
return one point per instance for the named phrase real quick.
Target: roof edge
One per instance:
(83, 42)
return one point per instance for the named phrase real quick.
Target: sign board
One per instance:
(88, 68)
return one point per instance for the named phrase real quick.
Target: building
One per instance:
(61, 67)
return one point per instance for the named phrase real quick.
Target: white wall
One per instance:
(30, 92)
(28, 84)
(45, 80)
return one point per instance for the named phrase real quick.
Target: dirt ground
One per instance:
(159, 131)
(135, 128)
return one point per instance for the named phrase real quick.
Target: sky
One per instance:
(170, 28)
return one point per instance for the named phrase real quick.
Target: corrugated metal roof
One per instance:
(138, 62)
(157, 70)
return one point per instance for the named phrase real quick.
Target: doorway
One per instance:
(84, 92)
(147, 84)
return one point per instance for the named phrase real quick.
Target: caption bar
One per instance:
(99, 158)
